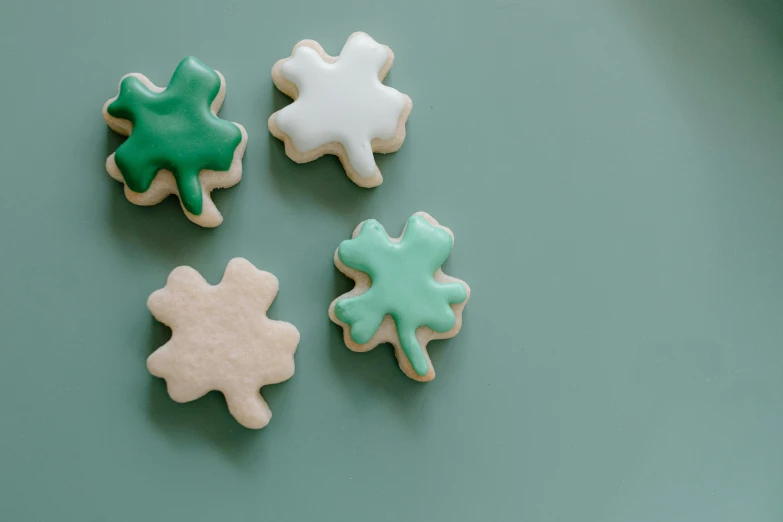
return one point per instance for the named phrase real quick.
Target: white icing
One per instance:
(342, 102)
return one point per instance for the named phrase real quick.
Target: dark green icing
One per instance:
(174, 130)
(402, 285)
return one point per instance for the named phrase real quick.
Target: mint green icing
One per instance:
(174, 130)
(402, 285)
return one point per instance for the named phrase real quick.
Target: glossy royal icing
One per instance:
(176, 142)
(340, 106)
(399, 279)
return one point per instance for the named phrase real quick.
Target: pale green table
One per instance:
(612, 170)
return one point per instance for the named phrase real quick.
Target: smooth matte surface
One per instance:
(634, 150)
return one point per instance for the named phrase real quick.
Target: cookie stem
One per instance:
(189, 187)
(412, 349)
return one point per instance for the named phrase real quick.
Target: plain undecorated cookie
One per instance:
(222, 339)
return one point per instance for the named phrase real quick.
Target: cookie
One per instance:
(340, 106)
(222, 339)
(402, 296)
(176, 143)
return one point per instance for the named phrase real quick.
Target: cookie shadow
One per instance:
(205, 418)
(163, 229)
(374, 378)
(322, 182)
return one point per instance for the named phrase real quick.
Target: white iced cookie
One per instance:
(176, 143)
(222, 339)
(402, 296)
(340, 106)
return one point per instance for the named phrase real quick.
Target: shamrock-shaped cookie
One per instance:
(401, 296)
(177, 144)
(222, 339)
(340, 106)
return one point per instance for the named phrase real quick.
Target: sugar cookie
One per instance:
(176, 144)
(340, 106)
(222, 339)
(402, 296)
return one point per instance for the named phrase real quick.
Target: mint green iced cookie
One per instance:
(401, 296)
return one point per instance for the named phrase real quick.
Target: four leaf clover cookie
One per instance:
(340, 106)
(176, 144)
(222, 339)
(402, 296)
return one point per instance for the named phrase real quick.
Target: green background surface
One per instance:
(612, 170)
